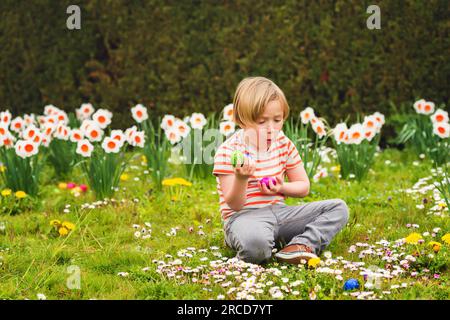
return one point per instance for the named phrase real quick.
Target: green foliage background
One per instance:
(185, 56)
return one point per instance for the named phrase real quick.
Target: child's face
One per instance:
(267, 125)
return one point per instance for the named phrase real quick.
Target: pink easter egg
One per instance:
(71, 185)
(266, 180)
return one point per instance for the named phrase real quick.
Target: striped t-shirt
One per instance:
(281, 156)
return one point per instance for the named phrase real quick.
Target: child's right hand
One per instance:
(247, 169)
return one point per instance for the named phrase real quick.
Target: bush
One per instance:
(190, 56)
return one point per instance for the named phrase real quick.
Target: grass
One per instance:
(103, 243)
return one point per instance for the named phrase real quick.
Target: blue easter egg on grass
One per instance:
(351, 284)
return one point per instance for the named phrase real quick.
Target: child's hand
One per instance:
(273, 189)
(247, 169)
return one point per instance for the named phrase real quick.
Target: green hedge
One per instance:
(185, 56)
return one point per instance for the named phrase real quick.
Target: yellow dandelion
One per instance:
(20, 194)
(435, 245)
(413, 238)
(176, 181)
(446, 238)
(62, 185)
(313, 262)
(55, 222)
(63, 231)
(2, 168)
(182, 182)
(6, 192)
(144, 159)
(124, 177)
(168, 182)
(68, 225)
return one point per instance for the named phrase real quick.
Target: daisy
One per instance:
(173, 136)
(84, 148)
(76, 135)
(111, 145)
(5, 117)
(227, 127)
(138, 139)
(442, 129)
(356, 133)
(17, 124)
(439, 116)
(167, 122)
(307, 114)
(94, 133)
(198, 121)
(139, 113)
(319, 128)
(102, 117)
(339, 132)
(228, 112)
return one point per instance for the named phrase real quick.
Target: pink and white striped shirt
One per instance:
(282, 155)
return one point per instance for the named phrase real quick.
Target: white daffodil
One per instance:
(227, 127)
(84, 148)
(111, 145)
(102, 117)
(307, 114)
(228, 112)
(197, 120)
(139, 113)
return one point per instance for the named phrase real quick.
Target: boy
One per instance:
(255, 217)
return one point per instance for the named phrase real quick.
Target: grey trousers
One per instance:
(253, 233)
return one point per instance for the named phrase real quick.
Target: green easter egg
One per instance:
(237, 158)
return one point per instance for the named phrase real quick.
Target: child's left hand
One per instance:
(273, 189)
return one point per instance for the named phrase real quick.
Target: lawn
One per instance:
(181, 254)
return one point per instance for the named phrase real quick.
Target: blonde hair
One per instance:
(251, 97)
